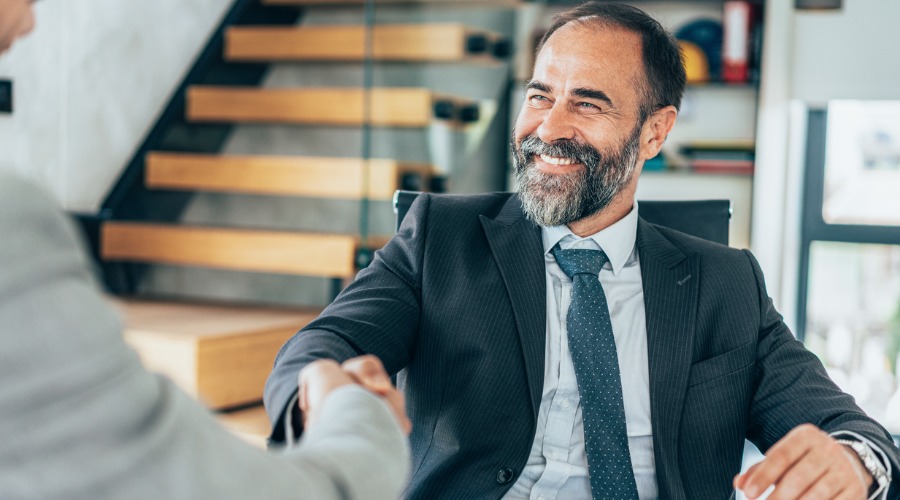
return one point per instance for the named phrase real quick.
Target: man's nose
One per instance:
(556, 125)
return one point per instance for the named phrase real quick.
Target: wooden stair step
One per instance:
(280, 252)
(437, 42)
(389, 107)
(250, 424)
(381, 2)
(344, 178)
(219, 354)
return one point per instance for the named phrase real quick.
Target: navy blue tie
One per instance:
(593, 349)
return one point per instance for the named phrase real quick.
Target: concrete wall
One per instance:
(89, 82)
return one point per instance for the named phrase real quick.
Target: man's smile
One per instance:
(547, 163)
(554, 160)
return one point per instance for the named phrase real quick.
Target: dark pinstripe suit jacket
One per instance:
(456, 303)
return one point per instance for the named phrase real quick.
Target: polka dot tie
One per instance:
(593, 349)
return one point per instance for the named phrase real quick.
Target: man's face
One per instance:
(577, 140)
(16, 20)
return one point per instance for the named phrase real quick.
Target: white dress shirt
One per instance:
(557, 464)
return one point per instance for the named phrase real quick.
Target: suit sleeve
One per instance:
(793, 388)
(81, 418)
(377, 314)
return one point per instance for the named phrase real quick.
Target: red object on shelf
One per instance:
(736, 167)
(736, 21)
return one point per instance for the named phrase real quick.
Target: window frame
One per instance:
(813, 227)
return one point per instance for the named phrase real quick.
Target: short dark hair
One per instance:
(663, 66)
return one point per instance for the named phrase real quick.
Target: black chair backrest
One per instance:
(707, 219)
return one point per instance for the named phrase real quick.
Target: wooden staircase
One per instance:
(339, 178)
(435, 42)
(222, 354)
(383, 2)
(250, 424)
(396, 107)
(326, 255)
(219, 354)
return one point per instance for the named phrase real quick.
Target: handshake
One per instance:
(319, 378)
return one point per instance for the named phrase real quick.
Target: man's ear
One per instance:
(655, 130)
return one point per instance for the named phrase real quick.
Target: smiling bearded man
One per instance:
(555, 199)
(553, 344)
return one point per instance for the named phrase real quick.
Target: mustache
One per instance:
(581, 153)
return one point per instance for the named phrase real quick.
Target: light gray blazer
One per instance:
(81, 419)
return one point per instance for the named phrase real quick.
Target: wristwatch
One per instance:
(872, 464)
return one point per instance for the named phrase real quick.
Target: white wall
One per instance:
(850, 54)
(89, 82)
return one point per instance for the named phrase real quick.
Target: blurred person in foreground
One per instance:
(81, 419)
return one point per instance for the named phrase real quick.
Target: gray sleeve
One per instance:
(81, 418)
(345, 446)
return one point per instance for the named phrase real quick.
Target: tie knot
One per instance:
(578, 261)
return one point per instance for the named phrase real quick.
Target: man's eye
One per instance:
(588, 106)
(539, 101)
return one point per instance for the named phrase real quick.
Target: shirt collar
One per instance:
(617, 240)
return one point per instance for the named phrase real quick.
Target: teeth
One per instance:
(557, 161)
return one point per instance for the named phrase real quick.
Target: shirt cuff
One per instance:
(880, 493)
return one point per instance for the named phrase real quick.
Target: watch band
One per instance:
(872, 464)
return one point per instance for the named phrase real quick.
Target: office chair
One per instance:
(707, 219)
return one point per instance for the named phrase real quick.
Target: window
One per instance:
(849, 297)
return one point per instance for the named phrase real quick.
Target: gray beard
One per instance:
(558, 199)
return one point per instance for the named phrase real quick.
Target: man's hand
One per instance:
(320, 377)
(807, 463)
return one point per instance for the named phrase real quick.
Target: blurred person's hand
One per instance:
(370, 373)
(16, 20)
(321, 377)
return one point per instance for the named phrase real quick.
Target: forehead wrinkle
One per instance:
(590, 25)
(620, 34)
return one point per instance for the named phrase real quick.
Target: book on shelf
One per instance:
(713, 166)
(719, 145)
(656, 164)
(736, 24)
(721, 157)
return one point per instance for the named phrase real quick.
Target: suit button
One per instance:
(504, 475)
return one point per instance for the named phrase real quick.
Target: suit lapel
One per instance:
(670, 279)
(516, 246)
